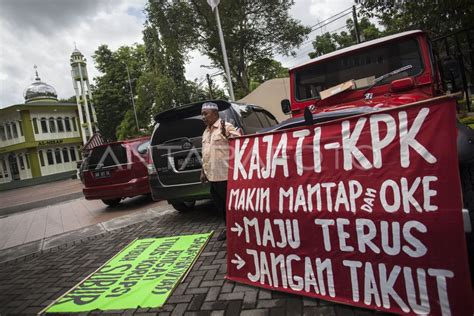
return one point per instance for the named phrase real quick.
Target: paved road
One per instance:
(29, 284)
(40, 223)
(27, 198)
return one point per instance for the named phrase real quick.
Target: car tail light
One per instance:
(151, 169)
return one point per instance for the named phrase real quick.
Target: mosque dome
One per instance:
(40, 91)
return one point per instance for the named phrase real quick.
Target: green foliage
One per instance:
(265, 69)
(166, 40)
(323, 44)
(328, 42)
(68, 100)
(467, 120)
(437, 17)
(253, 30)
(111, 93)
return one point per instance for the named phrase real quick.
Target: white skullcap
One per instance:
(210, 106)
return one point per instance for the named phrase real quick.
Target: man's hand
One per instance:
(223, 130)
(203, 177)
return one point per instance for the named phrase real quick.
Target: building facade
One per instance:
(40, 137)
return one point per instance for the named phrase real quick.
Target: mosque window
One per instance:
(52, 125)
(35, 125)
(22, 163)
(9, 131)
(27, 158)
(73, 154)
(2, 133)
(67, 124)
(65, 155)
(14, 130)
(60, 124)
(74, 123)
(20, 126)
(49, 155)
(57, 154)
(44, 125)
(40, 153)
(5, 170)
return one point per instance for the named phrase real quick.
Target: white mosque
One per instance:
(42, 138)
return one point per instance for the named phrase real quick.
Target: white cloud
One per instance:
(45, 35)
(43, 32)
(316, 13)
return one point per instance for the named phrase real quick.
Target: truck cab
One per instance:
(386, 72)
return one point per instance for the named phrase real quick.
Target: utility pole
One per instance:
(356, 24)
(224, 53)
(133, 99)
(209, 82)
(214, 6)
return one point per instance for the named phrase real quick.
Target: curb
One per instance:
(86, 233)
(28, 206)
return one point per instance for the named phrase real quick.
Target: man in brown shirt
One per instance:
(215, 155)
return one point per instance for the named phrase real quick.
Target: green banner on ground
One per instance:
(142, 275)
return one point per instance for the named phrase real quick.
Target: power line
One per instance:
(315, 27)
(302, 54)
(323, 21)
(322, 24)
(334, 20)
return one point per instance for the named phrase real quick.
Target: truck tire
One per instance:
(112, 202)
(183, 206)
(467, 182)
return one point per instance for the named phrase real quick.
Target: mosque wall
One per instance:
(56, 159)
(49, 125)
(11, 129)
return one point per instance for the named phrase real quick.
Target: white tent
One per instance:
(269, 95)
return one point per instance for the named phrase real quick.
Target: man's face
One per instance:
(209, 116)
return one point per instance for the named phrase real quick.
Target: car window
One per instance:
(250, 119)
(143, 147)
(107, 156)
(363, 66)
(266, 119)
(189, 127)
(227, 116)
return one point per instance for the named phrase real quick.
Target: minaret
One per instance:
(80, 81)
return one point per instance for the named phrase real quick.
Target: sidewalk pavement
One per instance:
(27, 198)
(30, 283)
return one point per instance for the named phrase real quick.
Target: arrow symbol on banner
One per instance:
(237, 229)
(239, 262)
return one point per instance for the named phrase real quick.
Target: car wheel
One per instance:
(467, 181)
(183, 206)
(112, 202)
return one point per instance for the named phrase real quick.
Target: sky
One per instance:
(45, 32)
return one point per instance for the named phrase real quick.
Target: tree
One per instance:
(328, 42)
(265, 69)
(71, 99)
(253, 30)
(437, 17)
(323, 44)
(111, 93)
(166, 40)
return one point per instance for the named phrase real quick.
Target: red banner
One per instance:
(363, 211)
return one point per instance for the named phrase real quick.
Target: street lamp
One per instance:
(131, 93)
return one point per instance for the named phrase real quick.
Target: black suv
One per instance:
(174, 173)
